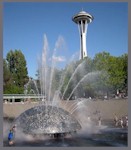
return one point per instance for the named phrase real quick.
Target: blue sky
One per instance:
(24, 26)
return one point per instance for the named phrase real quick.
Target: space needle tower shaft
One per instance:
(83, 19)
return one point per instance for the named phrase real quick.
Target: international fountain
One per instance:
(51, 118)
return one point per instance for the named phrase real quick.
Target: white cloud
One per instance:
(58, 58)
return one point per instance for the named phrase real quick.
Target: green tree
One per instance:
(118, 72)
(114, 76)
(18, 72)
(125, 70)
(101, 62)
(6, 75)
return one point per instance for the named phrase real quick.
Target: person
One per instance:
(99, 120)
(116, 120)
(121, 123)
(126, 117)
(14, 128)
(127, 123)
(10, 137)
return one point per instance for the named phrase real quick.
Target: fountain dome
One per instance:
(47, 120)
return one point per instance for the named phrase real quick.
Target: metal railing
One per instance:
(22, 96)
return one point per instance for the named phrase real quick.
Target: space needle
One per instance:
(83, 19)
